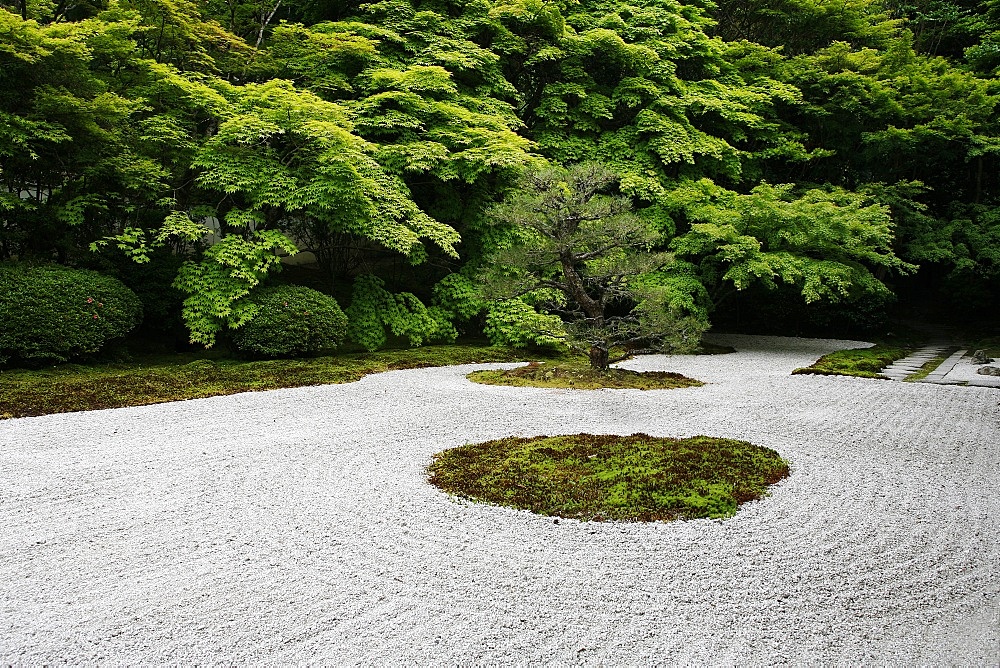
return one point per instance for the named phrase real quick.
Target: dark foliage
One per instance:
(292, 321)
(52, 313)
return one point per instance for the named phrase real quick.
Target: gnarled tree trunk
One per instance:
(599, 357)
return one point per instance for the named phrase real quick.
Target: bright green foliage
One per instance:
(679, 287)
(373, 309)
(515, 323)
(52, 313)
(286, 151)
(279, 154)
(455, 300)
(175, 32)
(71, 162)
(378, 135)
(895, 114)
(458, 296)
(217, 286)
(116, 167)
(591, 252)
(137, 243)
(985, 56)
(291, 321)
(643, 90)
(625, 478)
(424, 125)
(421, 83)
(917, 134)
(825, 241)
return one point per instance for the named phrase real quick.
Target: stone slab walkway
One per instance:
(902, 368)
(939, 374)
(957, 369)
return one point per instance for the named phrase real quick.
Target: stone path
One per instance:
(901, 369)
(957, 369)
(939, 375)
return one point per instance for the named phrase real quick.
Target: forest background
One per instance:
(806, 166)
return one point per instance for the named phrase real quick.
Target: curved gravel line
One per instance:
(297, 526)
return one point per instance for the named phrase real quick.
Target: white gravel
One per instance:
(298, 526)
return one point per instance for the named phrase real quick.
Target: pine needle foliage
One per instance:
(587, 250)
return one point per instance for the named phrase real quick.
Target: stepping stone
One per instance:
(902, 368)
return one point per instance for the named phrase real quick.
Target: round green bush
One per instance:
(291, 320)
(51, 313)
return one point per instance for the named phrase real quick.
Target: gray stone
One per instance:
(980, 357)
(989, 371)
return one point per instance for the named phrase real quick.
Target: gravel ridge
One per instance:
(297, 526)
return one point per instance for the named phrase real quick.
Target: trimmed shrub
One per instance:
(291, 321)
(52, 313)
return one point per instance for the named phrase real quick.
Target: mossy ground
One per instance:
(861, 362)
(160, 378)
(628, 478)
(577, 374)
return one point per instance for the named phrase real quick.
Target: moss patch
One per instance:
(713, 349)
(156, 379)
(579, 375)
(628, 478)
(861, 362)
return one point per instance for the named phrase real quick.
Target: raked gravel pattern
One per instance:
(297, 526)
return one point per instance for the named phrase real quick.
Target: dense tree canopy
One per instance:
(834, 151)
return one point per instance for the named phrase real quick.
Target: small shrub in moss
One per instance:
(291, 321)
(52, 313)
(630, 478)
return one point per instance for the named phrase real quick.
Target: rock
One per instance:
(979, 357)
(989, 371)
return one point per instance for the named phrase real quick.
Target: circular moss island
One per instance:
(577, 375)
(637, 478)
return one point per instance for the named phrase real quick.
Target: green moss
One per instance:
(861, 362)
(156, 379)
(629, 478)
(577, 374)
